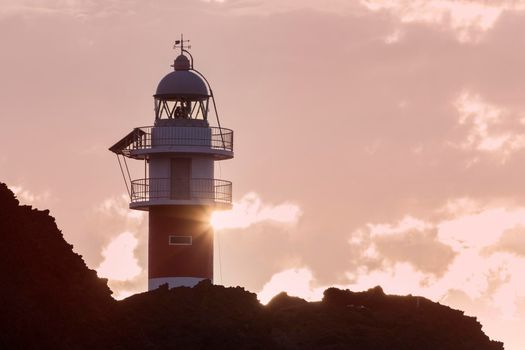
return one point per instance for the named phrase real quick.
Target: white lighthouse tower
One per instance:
(179, 189)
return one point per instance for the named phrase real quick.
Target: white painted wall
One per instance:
(159, 167)
(180, 135)
(202, 168)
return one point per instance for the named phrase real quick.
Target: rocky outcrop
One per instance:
(50, 299)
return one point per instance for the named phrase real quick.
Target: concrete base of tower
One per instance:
(154, 283)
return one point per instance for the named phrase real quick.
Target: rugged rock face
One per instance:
(50, 299)
(48, 295)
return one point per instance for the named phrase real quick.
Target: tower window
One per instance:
(180, 240)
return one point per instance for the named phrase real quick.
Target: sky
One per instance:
(377, 142)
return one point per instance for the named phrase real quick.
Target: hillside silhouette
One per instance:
(50, 299)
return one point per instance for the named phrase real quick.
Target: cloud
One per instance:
(74, 8)
(393, 38)
(466, 17)
(512, 240)
(492, 285)
(470, 249)
(251, 210)
(295, 282)
(120, 236)
(481, 229)
(125, 233)
(400, 278)
(421, 249)
(119, 207)
(406, 224)
(120, 263)
(490, 128)
(410, 240)
(268, 7)
(472, 260)
(28, 197)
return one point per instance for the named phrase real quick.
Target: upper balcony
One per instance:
(144, 141)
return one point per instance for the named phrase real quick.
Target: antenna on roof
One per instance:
(180, 44)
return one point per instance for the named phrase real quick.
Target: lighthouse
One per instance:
(178, 187)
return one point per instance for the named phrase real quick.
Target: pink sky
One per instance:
(377, 142)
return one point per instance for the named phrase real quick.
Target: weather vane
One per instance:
(180, 44)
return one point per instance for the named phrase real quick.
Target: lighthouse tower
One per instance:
(179, 189)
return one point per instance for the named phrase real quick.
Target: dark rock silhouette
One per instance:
(49, 297)
(51, 300)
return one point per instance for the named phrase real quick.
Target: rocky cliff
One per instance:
(50, 299)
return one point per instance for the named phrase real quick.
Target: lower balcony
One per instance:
(180, 191)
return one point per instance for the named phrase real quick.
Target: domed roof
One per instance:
(182, 82)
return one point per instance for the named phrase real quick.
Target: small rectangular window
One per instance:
(180, 240)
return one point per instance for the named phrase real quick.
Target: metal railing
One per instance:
(144, 190)
(212, 137)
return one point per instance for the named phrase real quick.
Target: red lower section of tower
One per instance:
(180, 242)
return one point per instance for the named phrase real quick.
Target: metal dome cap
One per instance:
(182, 63)
(182, 83)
